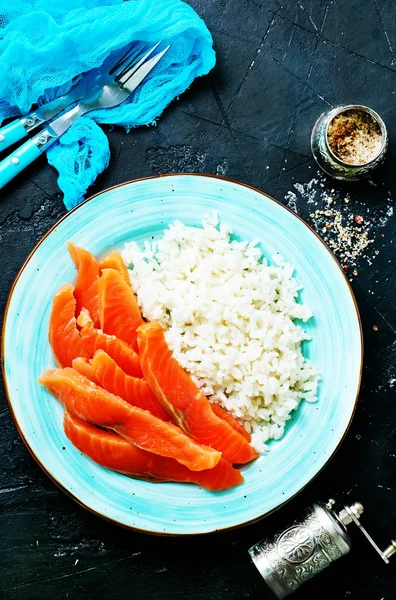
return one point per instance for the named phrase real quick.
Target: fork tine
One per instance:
(132, 67)
(135, 77)
(132, 52)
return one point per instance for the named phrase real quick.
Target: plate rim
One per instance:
(8, 395)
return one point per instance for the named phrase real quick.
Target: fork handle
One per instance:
(19, 128)
(26, 154)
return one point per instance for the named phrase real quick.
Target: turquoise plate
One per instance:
(139, 210)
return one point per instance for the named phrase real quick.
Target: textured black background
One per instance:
(280, 64)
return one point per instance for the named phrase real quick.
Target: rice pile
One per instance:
(229, 320)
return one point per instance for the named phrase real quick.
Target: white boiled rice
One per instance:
(229, 320)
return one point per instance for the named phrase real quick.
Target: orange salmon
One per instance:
(114, 261)
(135, 391)
(64, 337)
(223, 414)
(112, 451)
(184, 401)
(119, 313)
(94, 339)
(91, 403)
(86, 292)
(84, 367)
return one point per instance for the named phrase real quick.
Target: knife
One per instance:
(20, 128)
(123, 82)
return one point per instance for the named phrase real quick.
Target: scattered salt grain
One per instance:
(348, 235)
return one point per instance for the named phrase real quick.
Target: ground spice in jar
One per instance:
(354, 136)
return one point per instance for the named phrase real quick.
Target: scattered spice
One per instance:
(354, 136)
(348, 226)
(355, 272)
(345, 240)
(375, 327)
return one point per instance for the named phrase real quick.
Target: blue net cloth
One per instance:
(46, 44)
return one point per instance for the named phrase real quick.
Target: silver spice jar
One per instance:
(330, 162)
(293, 556)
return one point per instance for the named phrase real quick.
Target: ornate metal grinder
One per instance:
(309, 545)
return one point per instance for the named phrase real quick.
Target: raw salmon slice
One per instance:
(64, 337)
(94, 339)
(114, 261)
(119, 313)
(86, 290)
(90, 402)
(112, 451)
(84, 367)
(135, 391)
(183, 400)
(223, 414)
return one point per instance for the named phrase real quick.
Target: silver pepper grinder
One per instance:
(309, 545)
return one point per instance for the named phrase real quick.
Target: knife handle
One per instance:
(19, 128)
(11, 133)
(26, 154)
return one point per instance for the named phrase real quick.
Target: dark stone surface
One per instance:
(280, 64)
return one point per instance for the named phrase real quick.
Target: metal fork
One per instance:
(124, 77)
(24, 125)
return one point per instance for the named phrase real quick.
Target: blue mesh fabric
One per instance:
(45, 45)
